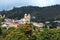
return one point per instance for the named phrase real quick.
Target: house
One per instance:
(40, 25)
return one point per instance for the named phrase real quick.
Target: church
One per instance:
(26, 19)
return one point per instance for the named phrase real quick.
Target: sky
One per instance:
(9, 4)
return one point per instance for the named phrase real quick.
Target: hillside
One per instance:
(40, 13)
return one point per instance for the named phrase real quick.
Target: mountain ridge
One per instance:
(40, 13)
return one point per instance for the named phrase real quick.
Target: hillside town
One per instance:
(27, 20)
(14, 23)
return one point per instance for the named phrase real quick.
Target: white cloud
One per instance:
(11, 3)
(44, 2)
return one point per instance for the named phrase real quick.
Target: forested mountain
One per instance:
(37, 13)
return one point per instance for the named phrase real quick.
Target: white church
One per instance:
(26, 19)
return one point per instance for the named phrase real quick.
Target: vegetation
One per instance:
(17, 34)
(47, 34)
(26, 33)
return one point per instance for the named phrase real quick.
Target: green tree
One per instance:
(21, 33)
(4, 31)
(10, 29)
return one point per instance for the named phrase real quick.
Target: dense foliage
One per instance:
(17, 34)
(24, 33)
(47, 34)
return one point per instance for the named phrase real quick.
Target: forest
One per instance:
(37, 13)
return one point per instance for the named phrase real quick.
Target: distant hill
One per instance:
(37, 13)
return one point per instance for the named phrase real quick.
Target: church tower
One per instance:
(27, 18)
(3, 16)
(0, 16)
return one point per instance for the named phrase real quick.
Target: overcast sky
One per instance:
(9, 4)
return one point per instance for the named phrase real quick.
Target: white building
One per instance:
(40, 25)
(26, 19)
